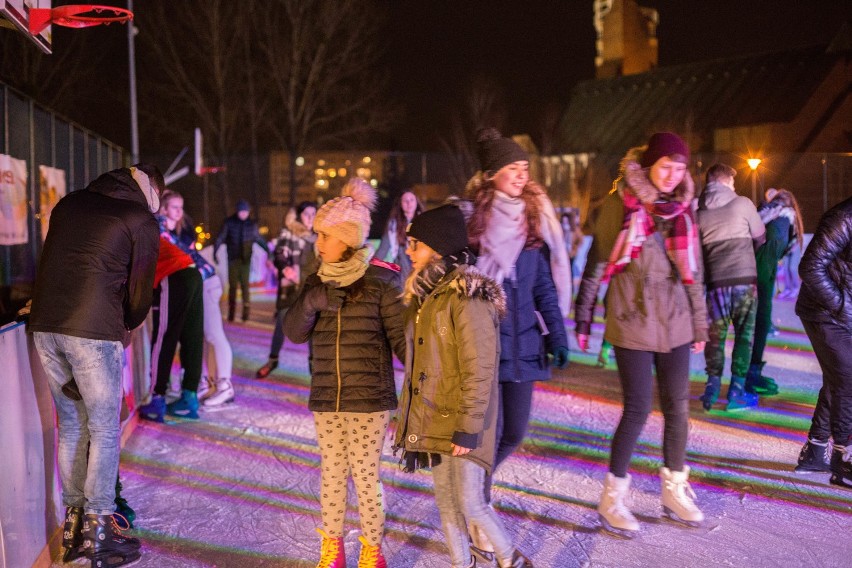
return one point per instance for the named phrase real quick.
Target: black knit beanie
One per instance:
(300, 208)
(494, 151)
(442, 228)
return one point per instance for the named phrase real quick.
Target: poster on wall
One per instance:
(13, 201)
(52, 182)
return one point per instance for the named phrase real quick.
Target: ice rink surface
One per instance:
(239, 488)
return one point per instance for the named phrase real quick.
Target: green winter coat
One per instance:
(648, 306)
(452, 357)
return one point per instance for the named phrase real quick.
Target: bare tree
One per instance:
(198, 57)
(484, 106)
(58, 81)
(322, 58)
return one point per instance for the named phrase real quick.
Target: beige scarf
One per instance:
(344, 273)
(506, 234)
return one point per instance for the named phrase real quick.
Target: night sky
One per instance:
(533, 51)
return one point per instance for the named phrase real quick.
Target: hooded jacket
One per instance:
(648, 306)
(294, 248)
(238, 235)
(730, 227)
(826, 270)
(351, 348)
(452, 357)
(96, 272)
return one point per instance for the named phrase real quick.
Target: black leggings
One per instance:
(637, 382)
(513, 417)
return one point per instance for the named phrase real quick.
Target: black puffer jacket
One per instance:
(238, 237)
(351, 348)
(96, 273)
(826, 270)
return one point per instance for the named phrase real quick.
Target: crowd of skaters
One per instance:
(472, 297)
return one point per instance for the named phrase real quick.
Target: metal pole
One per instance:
(206, 202)
(134, 113)
(824, 183)
(754, 186)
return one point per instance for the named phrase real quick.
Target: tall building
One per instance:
(626, 38)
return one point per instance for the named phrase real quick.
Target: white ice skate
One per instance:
(613, 513)
(223, 394)
(677, 497)
(206, 388)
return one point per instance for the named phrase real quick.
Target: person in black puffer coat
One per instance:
(350, 311)
(238, 234)
(825, 307)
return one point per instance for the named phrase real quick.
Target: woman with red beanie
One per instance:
(646, 245)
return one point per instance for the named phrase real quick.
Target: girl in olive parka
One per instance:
(447, 413)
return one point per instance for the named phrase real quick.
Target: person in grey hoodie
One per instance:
(731, 230)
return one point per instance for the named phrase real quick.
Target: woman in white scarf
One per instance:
(518, 239)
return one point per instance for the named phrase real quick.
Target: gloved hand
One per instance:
(324, 297)
(560, 357)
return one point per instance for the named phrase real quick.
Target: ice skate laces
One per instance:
(682, 492)
(619, 502)
(118, 528)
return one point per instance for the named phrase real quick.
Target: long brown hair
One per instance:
(480, 190)
(787, 199)
(398, 216)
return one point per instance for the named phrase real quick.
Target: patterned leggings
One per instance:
(352, 442)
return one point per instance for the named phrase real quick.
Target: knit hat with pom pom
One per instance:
(348, 217)
(494, 151)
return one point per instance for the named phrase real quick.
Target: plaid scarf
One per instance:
(681, 240)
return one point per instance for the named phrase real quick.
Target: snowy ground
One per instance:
(239, 488)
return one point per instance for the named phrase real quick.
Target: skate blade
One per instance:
(114, 560)
(806, 471)
(671, 516)
(482, 555)
(612, 531)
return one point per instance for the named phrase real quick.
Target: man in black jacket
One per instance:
(94, 285)
(825, 307)
(238, 234)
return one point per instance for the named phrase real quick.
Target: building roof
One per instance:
(610, 115)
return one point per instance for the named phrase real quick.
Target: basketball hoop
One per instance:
(77, 16)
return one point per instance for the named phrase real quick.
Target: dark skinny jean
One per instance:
(637, 385)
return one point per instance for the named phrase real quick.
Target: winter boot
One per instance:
(711, 392)
(124, 514)
(206, 388)
(224, 394)
(613, 513)
(480, 545)
(815, 457)
(246, 311)
(332, 554)
(154, 410)
(841, 466)
(518, 561)
(371, 556)
(738, 398)
(72, 534)
(757, 383)
(106, 545)
(265, 371)
(232, 309)
(677, 497)
(185, 407)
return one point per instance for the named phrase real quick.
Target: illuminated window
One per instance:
(319, 172)
(374, 182)
(367, 159)
(363, 173)
(341, 171)
(332, 172)
(320, 162)
(321, 183)
(300, 161)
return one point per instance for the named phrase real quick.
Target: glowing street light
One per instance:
(753, 163)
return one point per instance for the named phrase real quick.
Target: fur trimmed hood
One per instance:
(468, 282)
(295, 226)
(636, 177)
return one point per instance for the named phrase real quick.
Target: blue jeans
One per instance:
(89, 429)
(458, 493)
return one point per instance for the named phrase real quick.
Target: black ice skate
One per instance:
(841, 467)
(106, 545)
(72, 534)
(815, 457)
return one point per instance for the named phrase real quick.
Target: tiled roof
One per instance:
(610, 115)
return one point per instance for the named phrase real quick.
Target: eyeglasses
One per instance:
(412, 243)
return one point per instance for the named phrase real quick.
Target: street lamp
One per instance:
(753, 163)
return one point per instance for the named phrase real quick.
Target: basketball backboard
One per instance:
(18, 12)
